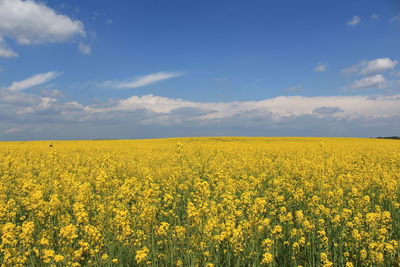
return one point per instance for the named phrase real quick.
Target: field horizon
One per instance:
(187, 138)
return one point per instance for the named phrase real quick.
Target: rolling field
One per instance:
(201, 202)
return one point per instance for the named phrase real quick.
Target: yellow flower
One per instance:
(44, 241)
(58, 258)
(324, 260)
(267, 243)
(48, 255)
(206, 198)
(363, 254)
(141, 255)
(377, 257)
(277, 230)
(163, 229)
(69, 232)
(267, 258)
(180, 231)
(299, 215)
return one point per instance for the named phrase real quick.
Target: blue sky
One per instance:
(148, 69)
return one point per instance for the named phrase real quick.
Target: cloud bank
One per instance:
(29, 116)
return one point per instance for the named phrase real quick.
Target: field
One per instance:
(201, 202)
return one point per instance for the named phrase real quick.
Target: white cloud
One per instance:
(109, 21)
(32, 81)
(377, 65)
(279, 107)
(375, 81)
(354, 21)
(144, 80)
(157, 108)
(153, 116)
(6, 51)
(374, 16)
(395, 19)
(321, 67)
(85, 49)
(30, 22)
(52, 93)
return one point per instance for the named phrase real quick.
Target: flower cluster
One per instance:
(201, 202)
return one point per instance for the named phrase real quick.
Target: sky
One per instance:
(155, 68)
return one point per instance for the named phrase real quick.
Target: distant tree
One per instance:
(388, 137)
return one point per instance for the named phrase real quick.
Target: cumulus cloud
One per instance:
(155, 116)
(32, 81)
(321, 67)
(6, 51)
(30, 22)
(354, 21)
(377, 65)
(16, 100)
(143, 80)
(51, 107)
(84, 49)
(375, 81)
(282, 106)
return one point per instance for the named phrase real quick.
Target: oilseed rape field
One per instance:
(201, 202)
